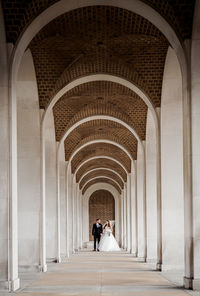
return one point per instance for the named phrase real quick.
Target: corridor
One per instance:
(95, 274)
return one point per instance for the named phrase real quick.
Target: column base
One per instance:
(158, 266)
(196, 284)
(188, 283)
(58, 260)
(43, 268)
(14, 285)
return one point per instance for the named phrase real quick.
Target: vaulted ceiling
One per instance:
(91, 40)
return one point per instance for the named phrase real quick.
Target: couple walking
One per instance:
(103, 235)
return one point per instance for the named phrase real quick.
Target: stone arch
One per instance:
(99, 157)
(100, 179)
(102, 172)
(102, 77)
(99, 149)
(102, 141)
(50, 13)
(98, 129)
(98, 163)
(127, 111)
(99, 117)
(60, 7)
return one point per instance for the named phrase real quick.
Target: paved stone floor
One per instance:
(91, 274)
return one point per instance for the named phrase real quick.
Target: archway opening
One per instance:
(101, 205)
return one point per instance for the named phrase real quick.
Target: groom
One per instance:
(97, 232)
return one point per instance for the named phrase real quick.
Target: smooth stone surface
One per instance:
(105, 274)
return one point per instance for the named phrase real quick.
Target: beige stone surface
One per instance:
(102, 274)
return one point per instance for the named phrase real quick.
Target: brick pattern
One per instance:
(100, 129)
(101, 162)
(100, 98)
(131, 47)
(101, 205)
(18, 14)
(99, 173)
(100, 149)
(99, 39)
(101, 180)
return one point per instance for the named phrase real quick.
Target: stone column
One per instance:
(141, 203)
(4, 165)
(151, 189)
(128, 212)
(195, 72)
(133, 183)
(50, 190)
(67, 182)
(28, 144)
(172, 165)
(58, 201)
(81, 220)
(122, 219)
(78, 217)
(73, 197)
(63, 205)
(11, 133)
(125, 211)
(43, 264)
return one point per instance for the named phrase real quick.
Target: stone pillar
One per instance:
(73, 195)
(141, 204)
(80, 220)
(133, 183)
(128, 212)
(151, 189)
(122, 219)
(28, 128)
(125, 209)
(58, 257)
(43, 265)
(51, 199)
(67, 182)
(60, 184)
(172, 165)
(195, 72)
(8, 206)
(77, 217)
(63, 205)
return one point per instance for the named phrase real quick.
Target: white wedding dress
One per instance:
(108, 243)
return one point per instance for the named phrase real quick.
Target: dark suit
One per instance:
(96, 232)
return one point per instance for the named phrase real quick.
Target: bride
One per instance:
(108, 243)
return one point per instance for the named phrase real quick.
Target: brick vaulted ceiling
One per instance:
(99, 149)
(99, 39)
(100, 173)
(19, 13)
(100, 98)
(101, 163)
(100, 129)
(101, 180)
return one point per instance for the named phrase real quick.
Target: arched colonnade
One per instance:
(146, 191)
